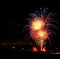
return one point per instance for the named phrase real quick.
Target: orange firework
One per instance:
(40, 27)
(36, 24)
(43, 34)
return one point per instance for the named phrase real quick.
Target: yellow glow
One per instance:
(37, 24)
(43, 34)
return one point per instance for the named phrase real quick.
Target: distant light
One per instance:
(4, 44)
(23, 48)
(13, 47)
(57, 48)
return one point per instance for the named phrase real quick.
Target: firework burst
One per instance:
(39, 26)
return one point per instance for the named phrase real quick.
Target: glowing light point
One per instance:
(34, 49)
(44, 50)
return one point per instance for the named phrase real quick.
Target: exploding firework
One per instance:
(39, 26)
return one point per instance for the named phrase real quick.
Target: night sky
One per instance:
(14, 13)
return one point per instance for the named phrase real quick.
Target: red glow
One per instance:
(34, 49)
(34, 35)
(44, 50)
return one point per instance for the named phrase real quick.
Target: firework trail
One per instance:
(40, 26)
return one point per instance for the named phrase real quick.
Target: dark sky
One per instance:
(14, 13)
